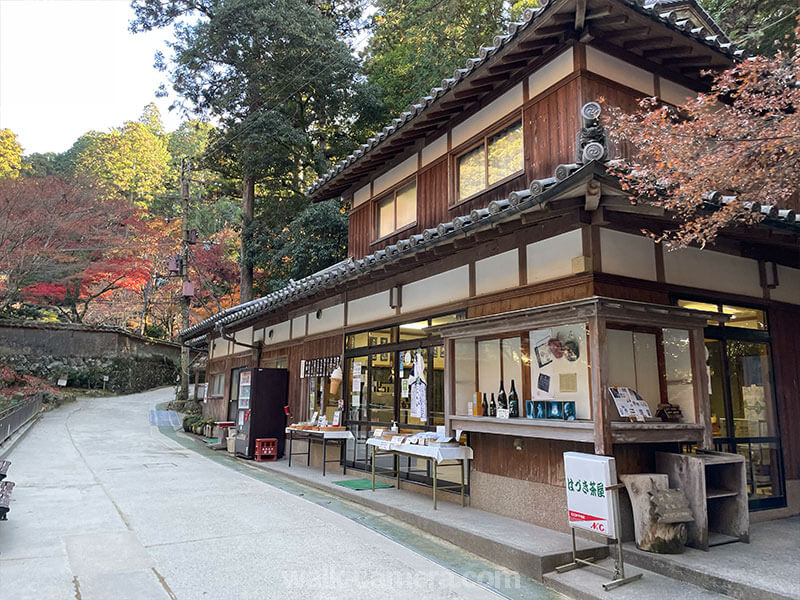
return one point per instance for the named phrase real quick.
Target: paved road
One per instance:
(107, 507)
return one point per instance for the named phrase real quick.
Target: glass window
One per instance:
(559, 370)
(357, 376)
(505, 152)
(386, 216)
(498, 156)
(397, 210)
(742, 317)
(413, 331)
(381, 390)
(745, 318)
(217, 385)
(471, 172)
(357, 340)
(406, 206)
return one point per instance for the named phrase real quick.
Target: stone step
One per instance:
(586, 583)
(702, 570)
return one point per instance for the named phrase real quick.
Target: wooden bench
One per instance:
(5, 498)
(4, 464)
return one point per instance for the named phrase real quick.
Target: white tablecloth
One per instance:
(435, 451)
(328, 435)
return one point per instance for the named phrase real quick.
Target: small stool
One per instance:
(266, 449)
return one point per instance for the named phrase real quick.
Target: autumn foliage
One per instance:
(741, 140)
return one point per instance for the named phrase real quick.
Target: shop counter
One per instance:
(436, 454)
(622, 432)
(339, 437)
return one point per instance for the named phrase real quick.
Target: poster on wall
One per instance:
(589, 505)
(419, 389)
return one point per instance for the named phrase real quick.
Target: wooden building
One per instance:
(487, 237)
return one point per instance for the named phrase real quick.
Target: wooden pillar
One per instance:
(697, 346)
(449, 382)
(598, 356)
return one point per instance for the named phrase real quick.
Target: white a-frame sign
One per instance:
(593, 505)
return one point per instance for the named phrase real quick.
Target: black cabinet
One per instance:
(261, 414)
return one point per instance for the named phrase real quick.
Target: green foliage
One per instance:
(131, 161)
(755, 24)
(419, 42)
(317, 238)
(10, 154)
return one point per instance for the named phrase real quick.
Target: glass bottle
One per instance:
(484, 406)
(513, 402)
(502, 401)
(492, 407)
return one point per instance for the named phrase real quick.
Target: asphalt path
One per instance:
(109, 507)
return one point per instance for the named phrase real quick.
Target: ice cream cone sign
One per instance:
(336, 380)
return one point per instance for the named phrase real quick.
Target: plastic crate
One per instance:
(266, 449)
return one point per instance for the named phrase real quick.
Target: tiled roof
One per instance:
(475, 66)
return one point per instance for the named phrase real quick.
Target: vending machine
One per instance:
(261, 401)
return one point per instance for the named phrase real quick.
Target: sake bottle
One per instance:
(502, 402)
(492, 407)
(484, 406)
(513, 402)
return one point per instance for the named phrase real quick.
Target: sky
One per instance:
(71, 66)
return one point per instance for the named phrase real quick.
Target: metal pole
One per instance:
(186, 168)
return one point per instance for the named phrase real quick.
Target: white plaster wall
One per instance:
(673, 93)
(298, 327)
(627, 254)
(258, 335)
(361, 196)
(369, 308)
(487, 116)
(280, 333)
(498, 272)
(552, 258)
(550, 73)
(393, 176)
(710, 270)
(331, 318)
(245, 336)
(434, 150)
(439, 289)
(788, 289)
(620, 71)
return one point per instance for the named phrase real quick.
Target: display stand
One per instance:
(618, 572)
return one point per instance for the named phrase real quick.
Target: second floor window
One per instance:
(497, 157)
(397, 210)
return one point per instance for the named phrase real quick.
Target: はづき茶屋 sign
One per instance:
(589, 504)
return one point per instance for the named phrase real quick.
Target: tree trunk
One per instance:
(246, 263)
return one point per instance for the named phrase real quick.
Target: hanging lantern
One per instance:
(188, 289)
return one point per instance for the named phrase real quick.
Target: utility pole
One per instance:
(186, 168)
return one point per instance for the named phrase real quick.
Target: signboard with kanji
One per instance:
(589, 505)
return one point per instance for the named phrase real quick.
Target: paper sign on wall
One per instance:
(590, 505)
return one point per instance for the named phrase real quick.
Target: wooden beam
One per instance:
(611, 21)
(512, 56)
(702, 401)
(671, 51)
(632, 32)
(491, 78)
(580, 14)
(598, 357)
(688, 60)
(468, 93)
(540, 43)
(503, 67)
(648, 41)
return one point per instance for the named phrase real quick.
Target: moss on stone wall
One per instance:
(126, 374)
